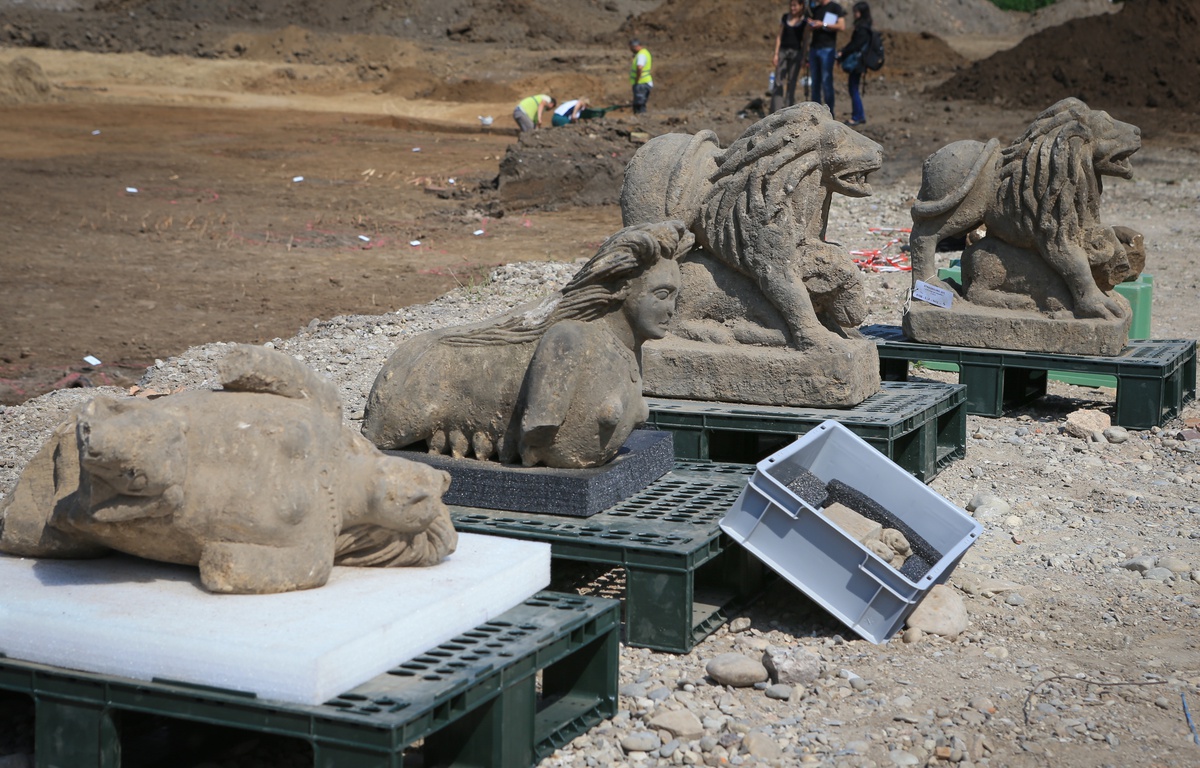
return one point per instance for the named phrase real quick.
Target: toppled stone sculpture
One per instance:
(1041, 278)
(762, 283)
(260, 484)
(556, 382)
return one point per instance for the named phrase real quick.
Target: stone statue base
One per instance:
(970, 325)
(839, 374)
(646, 456)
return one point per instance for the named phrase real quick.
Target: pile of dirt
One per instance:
(714, 23)
(1142, 62)
(581, 164)
(22, 82)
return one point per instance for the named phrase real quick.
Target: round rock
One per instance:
(779, 692)
(641, 741)
(761, 745)
(736, 670)
(942, 612)
(680, 723)
(1173, 564)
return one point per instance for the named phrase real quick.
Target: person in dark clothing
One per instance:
(859, 41)
(828, 18)
(790, 48)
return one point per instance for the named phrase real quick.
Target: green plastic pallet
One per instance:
(1155, 378)
(682, 573)
(475, 700)
(1139, 293)
(920, 426)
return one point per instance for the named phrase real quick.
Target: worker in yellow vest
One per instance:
(529, 111)
(639, 75)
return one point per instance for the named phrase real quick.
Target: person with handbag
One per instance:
(790, 47)
(853, 61)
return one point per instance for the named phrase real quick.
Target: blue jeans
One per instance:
(820, 67)
(856, 107)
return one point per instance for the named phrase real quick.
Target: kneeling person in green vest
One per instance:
(639, 75)
(529, 111)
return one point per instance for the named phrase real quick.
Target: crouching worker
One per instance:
(529, 111)
(569, 111)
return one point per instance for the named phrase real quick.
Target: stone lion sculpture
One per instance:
(1041, 195)
(760, 209)
(259, 484)
(556, 382)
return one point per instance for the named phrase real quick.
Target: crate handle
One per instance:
(863, 567)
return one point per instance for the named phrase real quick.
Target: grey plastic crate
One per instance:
(816, 556)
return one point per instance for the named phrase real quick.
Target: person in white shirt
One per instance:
(569, 111)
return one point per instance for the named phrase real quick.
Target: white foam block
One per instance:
(140, 619)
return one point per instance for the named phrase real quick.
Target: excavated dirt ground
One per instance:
(177, 173)
(211, 114)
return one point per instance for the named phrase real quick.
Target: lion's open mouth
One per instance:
(853, 182)
(1118, 164)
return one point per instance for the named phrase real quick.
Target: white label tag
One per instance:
(932, 294)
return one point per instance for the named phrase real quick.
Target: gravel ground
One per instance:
(1082, 595)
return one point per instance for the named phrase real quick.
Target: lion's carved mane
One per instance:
(760, 208)
(1040, 194)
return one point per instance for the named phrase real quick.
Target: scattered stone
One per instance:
(1014, 599)
(1157, 574)
(1173, 564)
(680, 723)
(942, 612)
(779, 692)
(796, 667)
(987, 500)
(1140, 564)
(641, 741)
(858, 747)
(740, 624)
(1083, 423)
(1116, 435)
(761, 745)
(736, 670)
(903, 759)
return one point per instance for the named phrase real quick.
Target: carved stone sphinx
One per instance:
(259, 484)
(762, 283)
(556, 382)
(1042, 277)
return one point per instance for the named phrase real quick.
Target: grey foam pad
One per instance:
(923, 554)
(646, 456)
(807, 486)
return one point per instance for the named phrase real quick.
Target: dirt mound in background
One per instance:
(581, 164)
(22, 82)
(718, 22)
(1143, 62)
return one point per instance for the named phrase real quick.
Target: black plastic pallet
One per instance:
(682, 573)
(920, 426)
(1155, 378)
(476, 700)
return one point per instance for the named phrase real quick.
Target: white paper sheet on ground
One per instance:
(141, 619)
